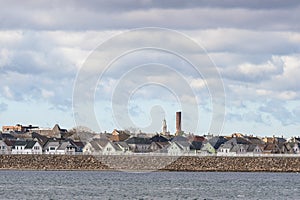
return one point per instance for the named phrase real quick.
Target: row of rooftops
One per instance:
(194, 141)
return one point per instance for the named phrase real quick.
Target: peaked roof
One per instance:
(122, 145)
(196, 145)
(179, 138)
(183, 144)
(238, 140)
(95, 145)
(20, 143)
(115, 146)
(30, 144)
(138, 140)
(64, 145)
(158, 138)
(254, 140)
(217, 141)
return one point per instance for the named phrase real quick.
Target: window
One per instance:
(52, 148)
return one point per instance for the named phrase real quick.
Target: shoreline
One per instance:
(134, 171)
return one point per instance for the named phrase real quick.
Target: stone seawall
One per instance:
(135, 163)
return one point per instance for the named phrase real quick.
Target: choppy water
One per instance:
(154, 185)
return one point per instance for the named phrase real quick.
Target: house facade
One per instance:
(4, 148)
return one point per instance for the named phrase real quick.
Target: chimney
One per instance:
(178, 123)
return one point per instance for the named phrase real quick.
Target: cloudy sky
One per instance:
(45, 47)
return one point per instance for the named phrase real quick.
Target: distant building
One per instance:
(56, 131)
(119, 135)
(165, 128)
(178, 124)
(18, 128)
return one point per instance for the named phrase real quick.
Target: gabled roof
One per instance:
(101, 142)
(64, 145)
(162, 144)
(280, 140)
(95, 145)
(43, 139)
(179, 138)
(9, 142)
(158, 138)
(30, 144)
(52, 143)
(138, 140)
(7, 136)
(20, 143)
(175, 143)
(251, 147)
(196, 145)
(78, 144)
(115, 146)
(238, 140)
(123, 145)
(217, 141)
(196, 138)
(183, 144)
(117, 136)
(57, 127)
(271, 147)
(254, 140)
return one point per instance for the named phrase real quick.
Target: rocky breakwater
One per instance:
(152, 163)
(50, 162)
(233, 164)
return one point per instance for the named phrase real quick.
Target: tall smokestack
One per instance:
(178, 123)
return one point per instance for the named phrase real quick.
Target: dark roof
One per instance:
(280, 140)
(179, 139)
(158, 138)
(217, 141)
(60, 129)
(196, 138)
(238, 140)
(138, 140)
(79, 144)
(43, 139)
(20, 143)
(251, 147)
(196, 145)
(7, 136)
(9, 142)
(30, 144)
(254, 140)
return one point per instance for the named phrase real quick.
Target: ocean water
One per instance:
(152, 185)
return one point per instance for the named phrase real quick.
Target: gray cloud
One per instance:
(278, 110)
(255, 44)
(95, 15)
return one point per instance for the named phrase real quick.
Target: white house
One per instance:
(178, 148)
(51, 147)
(19, 147)
(95, 146)
(33, 147)
(66, 148)
(111, 148)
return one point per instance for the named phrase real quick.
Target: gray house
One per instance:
(234, 146)
(139, 144)
(4, 148)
